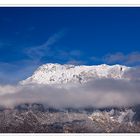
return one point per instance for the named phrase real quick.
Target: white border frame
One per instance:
(70, 3)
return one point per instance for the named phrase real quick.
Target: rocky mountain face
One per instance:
(35, 118)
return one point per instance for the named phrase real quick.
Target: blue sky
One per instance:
(30, 37)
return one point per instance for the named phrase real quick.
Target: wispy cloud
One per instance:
(113, 58)
(50, 50)
(12, 73)
(37, 52)
(128, 59)
(4, 44)
(132, 58)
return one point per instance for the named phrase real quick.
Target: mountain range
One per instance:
(64, 74)
(37, 118)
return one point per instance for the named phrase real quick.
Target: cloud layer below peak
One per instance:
(97, 93)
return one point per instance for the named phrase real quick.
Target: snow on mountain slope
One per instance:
(63, 74)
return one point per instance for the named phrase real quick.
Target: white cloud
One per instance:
(97, 93)
(8, 89)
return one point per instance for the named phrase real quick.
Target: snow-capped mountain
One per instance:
(63, 74)
(38, 117)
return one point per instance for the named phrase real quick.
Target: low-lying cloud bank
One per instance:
(97, 93)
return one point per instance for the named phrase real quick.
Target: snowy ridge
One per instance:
(125, 116)
(63, 74)
(34, 120)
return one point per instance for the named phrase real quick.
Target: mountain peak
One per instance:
(54, 73)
